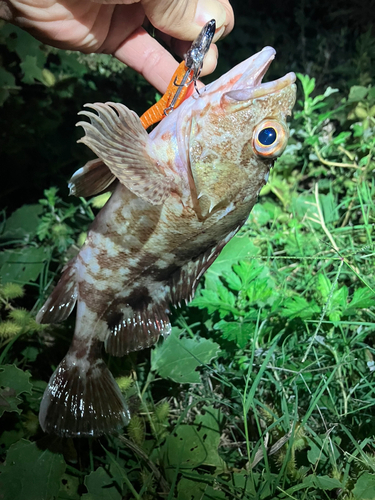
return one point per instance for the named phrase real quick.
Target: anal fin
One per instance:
(92, 178)
(82, 399)
(63, 298)
(135, 330)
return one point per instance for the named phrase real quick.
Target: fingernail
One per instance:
(218, 34)
(210, 9)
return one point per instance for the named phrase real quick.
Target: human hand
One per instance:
(115, 27)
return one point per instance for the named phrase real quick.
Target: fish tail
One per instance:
(82, 398)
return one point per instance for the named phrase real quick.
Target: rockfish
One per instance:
(183, 191)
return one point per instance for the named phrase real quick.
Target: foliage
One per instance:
(265, 389)
(35, 479)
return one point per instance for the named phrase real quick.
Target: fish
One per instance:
(179, 194)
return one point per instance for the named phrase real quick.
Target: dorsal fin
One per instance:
(116, 135)
(92, 178)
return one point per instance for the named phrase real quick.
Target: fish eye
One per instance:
(270, 138)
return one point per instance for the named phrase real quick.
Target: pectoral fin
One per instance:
(91, 179)
(115, 134)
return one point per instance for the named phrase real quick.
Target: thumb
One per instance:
(184, 19)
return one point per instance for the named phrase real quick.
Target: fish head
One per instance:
(234, 129)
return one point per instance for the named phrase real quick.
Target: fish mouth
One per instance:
(249, 85)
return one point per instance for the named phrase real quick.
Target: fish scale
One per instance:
(183, 192)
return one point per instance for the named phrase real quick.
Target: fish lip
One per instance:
(262, 89)
(250, 85)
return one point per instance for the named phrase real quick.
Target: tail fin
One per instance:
(82, 399)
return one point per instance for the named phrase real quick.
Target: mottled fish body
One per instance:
(183, 193)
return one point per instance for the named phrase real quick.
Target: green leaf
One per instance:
(322, 482)
(364, 488)
(30, 473)
(308, 84)
(69, 488)
(70, 64)
(321, 450)
(31, 70)
(178, 358)
(362, 298)
(357, 93)
(237, 331)
(324, 286)
(233, 280)
(221, 300)
(239, 248)
(30, 353)
(341, 138)
(260, 215)
(248, 271)
(24, 44)
(190, 446)
(329, 206)
(101, 485)
(305, 207)
(225, 296)
(21, 266)
(23, 223)
(261, 292)
(299, 307)
(13, 382)
(197, 490)
(338, 303)
(6, 78)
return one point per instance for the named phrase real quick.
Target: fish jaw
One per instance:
(244, 81)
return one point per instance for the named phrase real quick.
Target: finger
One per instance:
(210, 60)
(146, 56)
(180, 47)
(229, 16)
(184, 19)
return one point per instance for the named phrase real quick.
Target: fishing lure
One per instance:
(187, 73)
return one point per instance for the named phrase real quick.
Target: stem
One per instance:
(321, 220)
(334, 163)
(10, 343)
(138, 451)
(324, 311)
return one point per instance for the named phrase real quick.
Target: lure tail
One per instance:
(82, 398)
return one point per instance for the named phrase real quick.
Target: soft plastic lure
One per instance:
(187, 73)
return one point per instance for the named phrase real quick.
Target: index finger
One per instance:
(145, 55)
